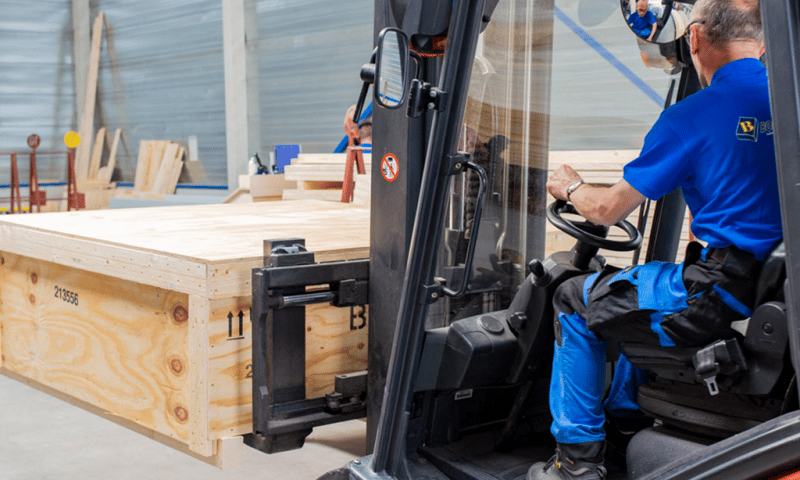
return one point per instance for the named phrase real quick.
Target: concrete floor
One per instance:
(42, 437)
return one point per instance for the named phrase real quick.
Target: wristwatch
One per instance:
(572, 187)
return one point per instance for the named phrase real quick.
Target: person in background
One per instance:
(643, 21)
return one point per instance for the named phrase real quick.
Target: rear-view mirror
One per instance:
(391, 67)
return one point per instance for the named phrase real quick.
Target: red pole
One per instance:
(36, 197)
(15, 185)
(74, 199)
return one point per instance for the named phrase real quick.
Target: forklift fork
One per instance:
(282, 415)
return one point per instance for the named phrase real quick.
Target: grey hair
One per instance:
(731, 20)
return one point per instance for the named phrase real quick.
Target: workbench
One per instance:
(142, 315)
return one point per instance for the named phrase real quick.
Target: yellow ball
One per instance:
(72, 139)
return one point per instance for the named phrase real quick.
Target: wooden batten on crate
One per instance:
(129, 312)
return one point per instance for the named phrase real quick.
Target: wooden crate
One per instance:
(134, 313)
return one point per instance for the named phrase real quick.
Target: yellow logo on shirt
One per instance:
(746, 129)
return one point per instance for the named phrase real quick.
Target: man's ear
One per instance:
(694, 41)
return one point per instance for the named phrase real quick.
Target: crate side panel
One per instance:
(115, 344)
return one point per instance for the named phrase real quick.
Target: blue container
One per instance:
(284, 155)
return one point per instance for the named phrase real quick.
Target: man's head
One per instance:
(641, 7)
(722, 31)
(365, 130)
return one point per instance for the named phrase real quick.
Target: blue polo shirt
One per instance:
(716, 146)
(642, 26)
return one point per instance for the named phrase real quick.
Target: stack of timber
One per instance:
(319, 175)
(95, 180)
(158, 166)
(604, 167)
(133, 314)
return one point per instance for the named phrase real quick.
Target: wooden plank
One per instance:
(326, 158)
(174, 246)
(97, 153)
(619, 157)
(107, 171)
(362, 191)
(175, 174)
(328, 195)
(166, 165)
(91, 336)
(198, 351)
(81, 48)
(156, 158)
(87, 116)
(143, 164)
(319, 173)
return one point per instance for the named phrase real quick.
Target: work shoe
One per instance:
(582, 461)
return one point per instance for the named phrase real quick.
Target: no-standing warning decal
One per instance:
(390, 167)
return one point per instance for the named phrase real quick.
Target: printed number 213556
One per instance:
(66, 295)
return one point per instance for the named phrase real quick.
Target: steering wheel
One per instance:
(559, 207)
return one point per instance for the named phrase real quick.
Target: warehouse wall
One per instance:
(169, 76)
(36, 88)
(169, 81)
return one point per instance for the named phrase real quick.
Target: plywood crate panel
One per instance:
(135, 312)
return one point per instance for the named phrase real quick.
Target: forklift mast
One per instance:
(512, 230)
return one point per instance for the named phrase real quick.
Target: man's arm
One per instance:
(599, 205)
(653, 33)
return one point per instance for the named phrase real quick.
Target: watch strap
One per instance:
(572, 187)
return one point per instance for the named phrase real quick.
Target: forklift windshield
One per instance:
(548, 87)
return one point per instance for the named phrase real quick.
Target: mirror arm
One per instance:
(417, 62)
(368, 77)
(422, 96)
(360, 103)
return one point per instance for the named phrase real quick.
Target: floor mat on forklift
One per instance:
(475, 458)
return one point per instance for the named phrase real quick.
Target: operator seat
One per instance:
(732, 384)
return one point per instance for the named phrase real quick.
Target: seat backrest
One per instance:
(772, 277)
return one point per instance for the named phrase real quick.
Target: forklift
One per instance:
(460, 357)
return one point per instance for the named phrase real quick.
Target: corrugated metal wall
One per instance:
(169, 76)
(310, 56)
(36, 87)
(169, 60)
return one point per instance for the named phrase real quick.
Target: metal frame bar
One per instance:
(390, 443)
(781, 21)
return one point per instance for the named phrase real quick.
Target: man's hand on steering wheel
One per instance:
(561, 180)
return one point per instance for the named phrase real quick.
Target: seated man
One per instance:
(716, 146)
(642, 21)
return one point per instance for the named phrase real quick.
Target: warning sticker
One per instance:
(390, 167)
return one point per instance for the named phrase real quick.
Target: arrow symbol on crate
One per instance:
(230, 324)
(241, 321)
